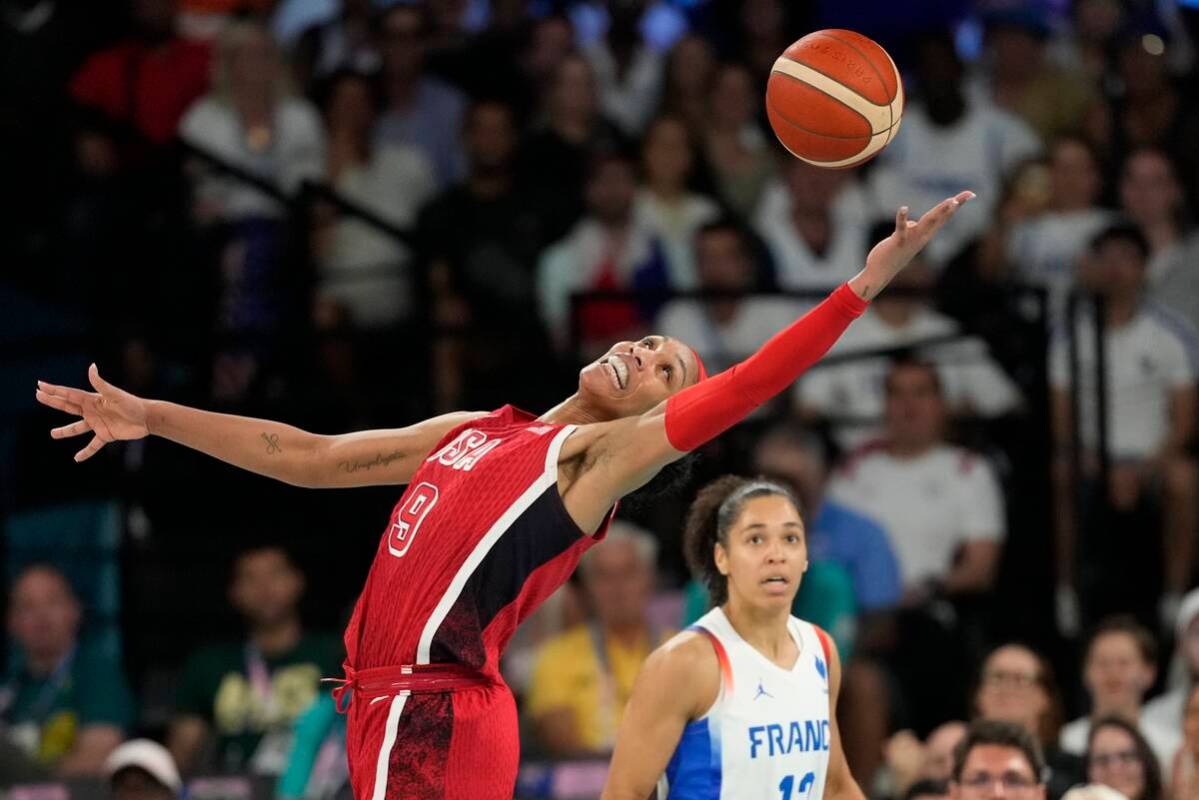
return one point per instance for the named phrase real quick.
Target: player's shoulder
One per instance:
(688, 664)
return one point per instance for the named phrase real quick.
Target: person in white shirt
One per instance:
(610, 249)
(814, 223)
(252, 120)
(665, 203)
(941, 505)
(1119, 669)
(947, 138)
(725, 330)
(851, 392)
(1166, 710)
(1044, 250)
(1152, 197)
(1151, 407)
(628, 73)
(360, 267)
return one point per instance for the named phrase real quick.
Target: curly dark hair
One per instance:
(714, 511)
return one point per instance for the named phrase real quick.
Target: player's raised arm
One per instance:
(273, 449)
(624, 454)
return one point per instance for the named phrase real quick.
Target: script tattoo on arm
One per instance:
(272, 443)
(380, 460)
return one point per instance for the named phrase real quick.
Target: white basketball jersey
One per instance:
(767, 736)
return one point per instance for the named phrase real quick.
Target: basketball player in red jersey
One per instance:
(499, 508)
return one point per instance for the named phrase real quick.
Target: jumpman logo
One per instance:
(762, 691)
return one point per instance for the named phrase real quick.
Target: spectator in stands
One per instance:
(1016, 686)
(1023, 81)
(1118, 756)
(815, 226)
(420, 110)
(852, 392)
(913, 763)
(690, 69)
(244, 697)
(998, 751)
(942, 510)
(609, 249)
(582, 678)
(148, 81)
(666, 203)
(1093, 791)
(1089, 45)
(361, 267)
(628, 73)
(723, 330)
(65, 702)
(1152, 111)
(941, 505)
(1184, 774)
(1119, 668)
(1044, 249)
(1151, 407)
(342, 42)
(554, 161)
(1166, 710)
(549, 42)
(251, 120)
(142, 769)
(1152, 197)
(949, 138)
(928, 790)
(742, 159)
(480, 241)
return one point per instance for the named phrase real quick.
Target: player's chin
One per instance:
(774, 594)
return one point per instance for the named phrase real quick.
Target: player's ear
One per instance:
(722, 559)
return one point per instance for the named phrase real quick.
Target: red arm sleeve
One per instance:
(707, 409)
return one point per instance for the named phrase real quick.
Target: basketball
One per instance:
(834, 99)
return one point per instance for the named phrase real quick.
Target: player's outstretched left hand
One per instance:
(893, 253)
(110, 413)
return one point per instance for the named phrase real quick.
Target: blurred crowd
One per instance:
(346, 214)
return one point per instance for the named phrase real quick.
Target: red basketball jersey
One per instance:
(477, 541)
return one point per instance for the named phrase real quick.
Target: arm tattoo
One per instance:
(272, 443)
(380, 460)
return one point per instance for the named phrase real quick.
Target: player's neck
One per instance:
(764, 629)
(572, 411)
(277, 637)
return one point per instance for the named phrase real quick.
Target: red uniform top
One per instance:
(478, 540)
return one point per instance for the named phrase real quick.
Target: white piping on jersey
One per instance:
(389, 740)
(548, 478)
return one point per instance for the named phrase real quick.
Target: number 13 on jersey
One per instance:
(418, 505)
(787, 784)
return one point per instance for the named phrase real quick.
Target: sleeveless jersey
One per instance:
(477, 541)
(767, 736)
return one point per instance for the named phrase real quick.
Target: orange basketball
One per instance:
(834, 98)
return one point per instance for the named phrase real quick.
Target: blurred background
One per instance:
(349, 214)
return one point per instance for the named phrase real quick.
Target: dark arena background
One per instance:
(358, 214)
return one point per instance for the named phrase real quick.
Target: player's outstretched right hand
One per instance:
(110, 413)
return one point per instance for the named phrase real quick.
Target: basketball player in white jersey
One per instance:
(741, 704)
